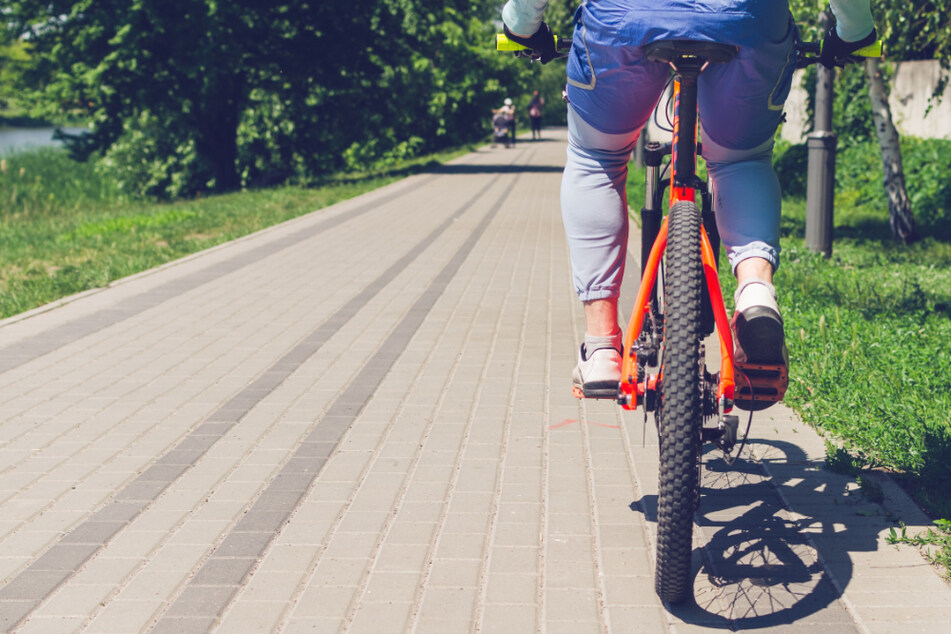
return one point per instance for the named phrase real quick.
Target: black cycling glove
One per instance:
(834, 47)
(541, 44)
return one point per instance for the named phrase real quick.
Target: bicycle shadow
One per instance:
(762, 564)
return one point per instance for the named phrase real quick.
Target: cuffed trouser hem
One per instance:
(753, 250)
(591, 295)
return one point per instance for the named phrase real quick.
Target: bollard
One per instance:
(820, 191)
(820, 186)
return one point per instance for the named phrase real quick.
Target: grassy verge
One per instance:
(63, 229)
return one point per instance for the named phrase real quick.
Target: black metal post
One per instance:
(821, 143)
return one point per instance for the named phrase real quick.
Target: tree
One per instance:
(917, 32)
(189, 64)
(900, 215)
(187, 94)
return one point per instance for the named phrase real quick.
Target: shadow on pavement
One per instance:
(760, 566)
(496, 169)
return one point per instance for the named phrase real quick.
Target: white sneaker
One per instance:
(598, 372)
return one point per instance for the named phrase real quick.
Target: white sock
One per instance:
(755, 292)
(596, 343)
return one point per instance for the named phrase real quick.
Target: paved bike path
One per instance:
(361, 421)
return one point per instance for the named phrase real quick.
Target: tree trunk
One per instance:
(217, 122)
(899, 207)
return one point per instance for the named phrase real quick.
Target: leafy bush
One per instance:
(927, 163)
(858, 179)
(153, 159)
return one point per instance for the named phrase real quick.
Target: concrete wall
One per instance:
(911, 88)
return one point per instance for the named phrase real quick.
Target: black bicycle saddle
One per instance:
(667, 51)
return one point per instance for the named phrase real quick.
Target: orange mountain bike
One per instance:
(664, 367)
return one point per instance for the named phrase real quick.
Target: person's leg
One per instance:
(594, 211)
(740, 107)
(612, 91)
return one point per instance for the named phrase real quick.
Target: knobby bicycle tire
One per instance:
(680, 412)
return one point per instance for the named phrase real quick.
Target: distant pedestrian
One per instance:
(508, 113)
(535, 114)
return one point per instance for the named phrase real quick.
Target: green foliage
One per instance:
(927, 163)
(939, 537)
(45, 181)
(915, 29)
(791, 162)
(852, 116)
(869, 338)
(851, 110)
(911, 29)
(14, 56)
(149, 159)
(187, 95)
(859, 188)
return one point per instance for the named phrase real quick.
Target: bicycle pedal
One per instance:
(578, 392)
(764, 385)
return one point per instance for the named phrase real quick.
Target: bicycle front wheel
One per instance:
(679, 415)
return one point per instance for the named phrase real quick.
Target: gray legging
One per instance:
(594, 206)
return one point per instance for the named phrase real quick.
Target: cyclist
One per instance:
(612, 90)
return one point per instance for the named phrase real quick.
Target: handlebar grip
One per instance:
(875, 49)
(503, 43)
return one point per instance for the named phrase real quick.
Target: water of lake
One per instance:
(18, 139)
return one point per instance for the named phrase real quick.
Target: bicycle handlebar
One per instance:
(807, 53)
(503, 43)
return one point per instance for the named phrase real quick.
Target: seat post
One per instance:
(687, 70)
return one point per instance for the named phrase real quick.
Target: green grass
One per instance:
(935, 543)
(65, 229)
